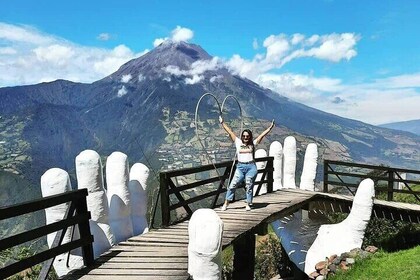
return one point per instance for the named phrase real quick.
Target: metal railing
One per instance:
(349, 175)
(168, 188)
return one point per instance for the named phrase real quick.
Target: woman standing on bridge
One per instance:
(246, 169)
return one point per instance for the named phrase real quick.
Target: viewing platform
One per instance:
(162, 253)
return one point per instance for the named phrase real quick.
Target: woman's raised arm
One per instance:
(227, 128)
(265, 132)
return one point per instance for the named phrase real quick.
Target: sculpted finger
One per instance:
(57, 181)
(119, 196)
(90, 177)
(139, 174)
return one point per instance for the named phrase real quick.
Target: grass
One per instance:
(389, 236)
(398, 265)
(402, 197)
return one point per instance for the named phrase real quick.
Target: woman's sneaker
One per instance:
(224, 207)
(247, 207)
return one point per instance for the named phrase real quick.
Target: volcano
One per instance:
(146, 110)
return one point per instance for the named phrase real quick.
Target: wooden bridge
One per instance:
(162, 253)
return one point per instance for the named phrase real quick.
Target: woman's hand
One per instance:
(272, 124)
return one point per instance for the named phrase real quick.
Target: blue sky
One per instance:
(357, 59)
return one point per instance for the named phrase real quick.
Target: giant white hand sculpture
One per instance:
(205, 231)
(90, 177)
(56, 181)
(289, 162)
(347, 235)
(104, 221)
(276, 151)
(119, 196)
(309, 168)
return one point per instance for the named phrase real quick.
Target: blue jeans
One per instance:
(247, 172)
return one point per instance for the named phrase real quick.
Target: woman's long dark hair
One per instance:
(250, 140)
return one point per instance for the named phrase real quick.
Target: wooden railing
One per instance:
(349, 175)
(77, 214)
(169, 189)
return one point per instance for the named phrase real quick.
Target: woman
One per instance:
(246, 169)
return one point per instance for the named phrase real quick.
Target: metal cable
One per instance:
(220, 113)
(240, 131)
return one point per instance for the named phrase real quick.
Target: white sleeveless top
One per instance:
(244, 152)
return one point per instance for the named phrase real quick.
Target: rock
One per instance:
(313, 275)
(323, 271)
(371, 249)
(364, 255)
(320, 265)
(344, 255)
(343, 266)
(332, 268)
(320, 277)
(349, 261)
(337, 260)
(332, 258)
(355, 252)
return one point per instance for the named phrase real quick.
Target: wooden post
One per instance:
(270, 169)
(164, 199)
(390, 195)
(244, 258)
(84, 230)
(325, 176)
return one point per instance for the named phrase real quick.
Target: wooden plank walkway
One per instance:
(162, 254)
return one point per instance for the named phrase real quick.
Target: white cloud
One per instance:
(159, 41)
(277, 47)
(312, 40)
(282, 49)
(201, 66)
(402, 81)
(29, 56)
(7, 50)
(23, 34)
(216, 78)
(178, 34)
(194, 79)
(297, 80)
(335, 47)
(376, 106)
(174, 70)
(182, 34)
(55, 55)
(104, 37)
(122, 91)
(392, 99)
(126, 78)
(197, 68)
(297, 38)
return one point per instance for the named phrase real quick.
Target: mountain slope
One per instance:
(412, 126)
(149, 103)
